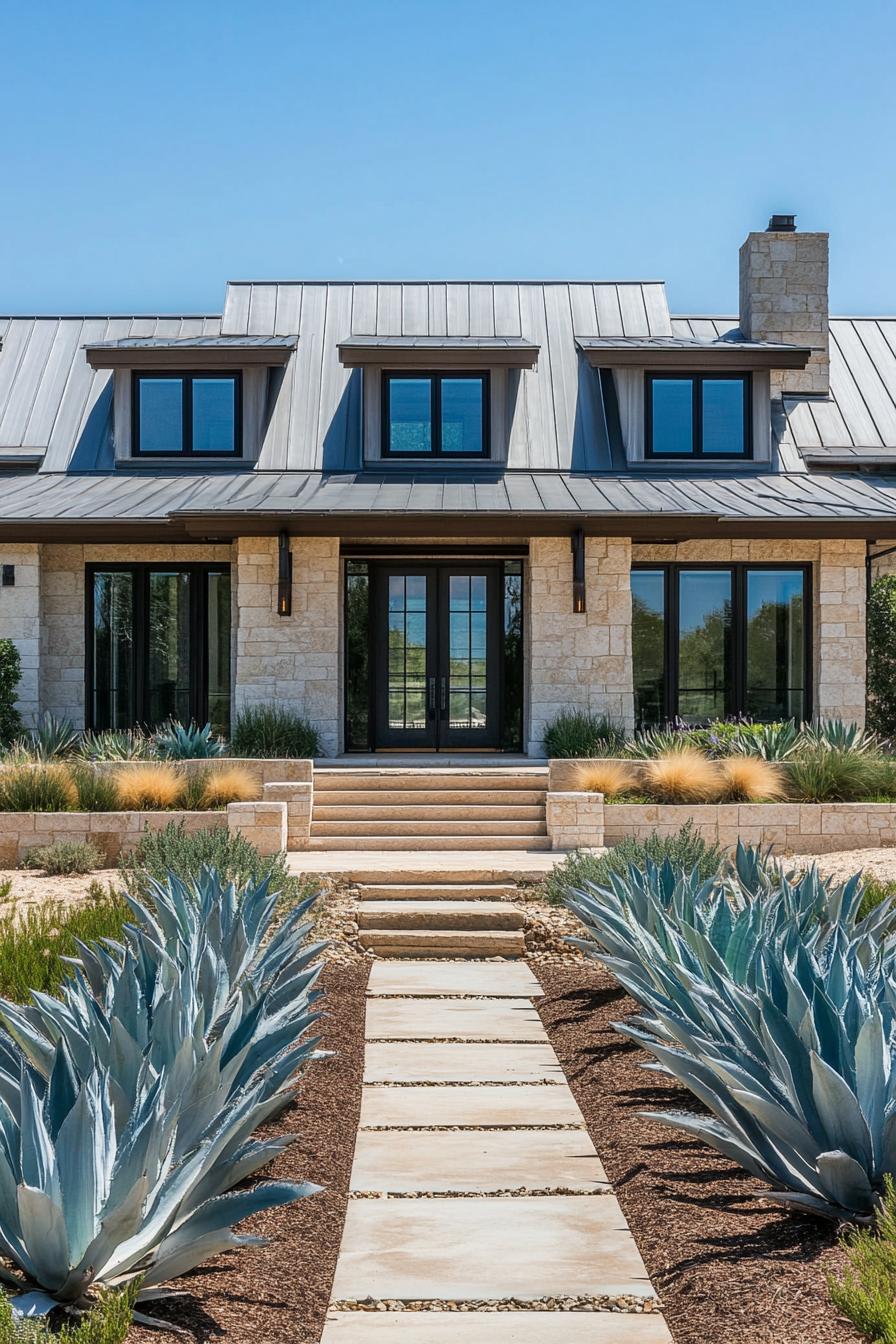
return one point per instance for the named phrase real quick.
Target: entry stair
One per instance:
(440, 914)
(434, 808)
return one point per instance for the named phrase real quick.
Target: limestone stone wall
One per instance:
(791, 828)
(62, 602)
(575, 820)
(579, 661)
(113, 833)
(784, 297)
(294, 660)
(838, 601)
(263, 824)
(20, 616)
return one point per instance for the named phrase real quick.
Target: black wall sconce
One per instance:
(577, 546)
(9, 576)
(284, 575)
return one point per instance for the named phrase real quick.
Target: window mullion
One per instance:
(697, 416)
(187, 403)
(435, 402)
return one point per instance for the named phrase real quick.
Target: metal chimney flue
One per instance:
(782, 224)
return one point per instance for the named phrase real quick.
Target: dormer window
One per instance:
(187, 414)
(702, 415)
(435, 415)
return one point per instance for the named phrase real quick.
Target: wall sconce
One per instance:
(284, 576)
(577, 546)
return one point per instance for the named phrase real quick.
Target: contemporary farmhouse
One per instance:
(433, 515)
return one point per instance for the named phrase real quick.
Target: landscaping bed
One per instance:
(263, 1294)
(727, 1265)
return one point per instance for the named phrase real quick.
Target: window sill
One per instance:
(182, 463)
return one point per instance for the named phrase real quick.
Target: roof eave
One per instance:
(712, 357)
(189, 357)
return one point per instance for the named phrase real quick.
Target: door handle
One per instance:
(444, 696)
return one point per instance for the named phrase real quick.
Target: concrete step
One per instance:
(326, 797)
(438, 891)
(439, 915)
(534, 778)
(428, 811)
(361, 827)
(414, 843)
(443, 943)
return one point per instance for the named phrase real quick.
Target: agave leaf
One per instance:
(43, 1232)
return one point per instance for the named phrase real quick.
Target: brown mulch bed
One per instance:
(278, 1294)
(727, 1265)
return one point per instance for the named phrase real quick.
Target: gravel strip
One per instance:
(458, 1129)
(626, 1303)
(519, 1192)
(729, 1266)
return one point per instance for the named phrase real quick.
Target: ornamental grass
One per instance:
(685, 776)
(150, 787)
(611, 778)
(37, 787)
(750, 779)
(229, 784)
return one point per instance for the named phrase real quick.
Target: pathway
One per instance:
(479, 1210)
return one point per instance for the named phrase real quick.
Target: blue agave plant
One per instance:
(128, 1104)
(775, 1004)
(184, 742)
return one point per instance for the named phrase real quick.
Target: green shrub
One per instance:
(173, 850)
(66, 858)
(106, 1323)
(35, 939)
(10, 676)
(576, 733)
(881, 676)
(37, 788)
(266, 731)
(874, 893)
(115, 745)
(686, 850)
(867, 1292)
(831, 775)
(97, 792)
(192, 796)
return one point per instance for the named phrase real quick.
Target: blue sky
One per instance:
(149, 152)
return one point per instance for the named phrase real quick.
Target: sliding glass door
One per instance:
(158, 645)
(711, 641)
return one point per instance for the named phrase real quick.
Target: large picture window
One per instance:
(186, 414)
(709, 641)
(435, 415)
(698, 415)
(158, 645)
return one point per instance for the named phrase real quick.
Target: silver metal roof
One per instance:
(198, 343)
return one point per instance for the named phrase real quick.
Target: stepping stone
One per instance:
(487, 1249)
(512, 980)
(462, 1063)
(457, 1161)
(469, 1019)
(469, 1106)
(485, 1327)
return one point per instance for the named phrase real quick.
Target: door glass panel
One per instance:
(704, 644)
(467, 645)
(113, 650)
(512, 708)
(168, 647)
(406, 691)
(648, 644)
(357, 655)
(775, 682)
(218, 635)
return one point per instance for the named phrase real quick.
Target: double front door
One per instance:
(436, 650)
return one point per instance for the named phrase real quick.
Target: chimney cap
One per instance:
(782, 224)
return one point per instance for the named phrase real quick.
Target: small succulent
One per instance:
(125, 744)
(52, 736)
(184, 742)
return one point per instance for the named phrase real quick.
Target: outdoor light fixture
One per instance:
(284, 576)
(577, 546)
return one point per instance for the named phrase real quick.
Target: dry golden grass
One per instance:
(682, 777)
(149, 788)
(749, 779)
(230, 784)
(607, 777)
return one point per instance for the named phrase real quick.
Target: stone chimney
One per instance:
(784, 297)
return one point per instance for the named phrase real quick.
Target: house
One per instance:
(433, 515)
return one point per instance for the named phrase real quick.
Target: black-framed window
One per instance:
(711, 641)
(435, 415)
(706, 415)
(187, 414)
(158, 645)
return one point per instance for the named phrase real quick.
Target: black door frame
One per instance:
(198, 623)
(439, 736)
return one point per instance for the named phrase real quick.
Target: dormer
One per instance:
(197, 402)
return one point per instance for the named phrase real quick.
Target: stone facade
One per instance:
(20, 620)
(298, 799)
(784, 297)
(838, 603)
(263, 824)
(579, 660)
(575, 820)
(294, 660)
(792, 828)
(113, 833)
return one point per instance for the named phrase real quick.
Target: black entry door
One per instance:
(436, 650)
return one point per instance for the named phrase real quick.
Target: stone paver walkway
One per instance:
(479, 1211)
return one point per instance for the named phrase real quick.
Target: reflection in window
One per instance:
(410, 415)
(186, 414)
(672, 415)
(704, 644)
(648, 644)
(698, 415)
(434, 415)
(462, 415)
(407, 651)
(218, 643)
(467, 632)
(775, 645)
(722, 421)
(357, 655)
(512, 707)
(160, 415)
(112, 650)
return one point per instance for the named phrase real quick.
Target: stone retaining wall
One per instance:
(114, 833)
(264, 770)
(792, 828)
(575, 820)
